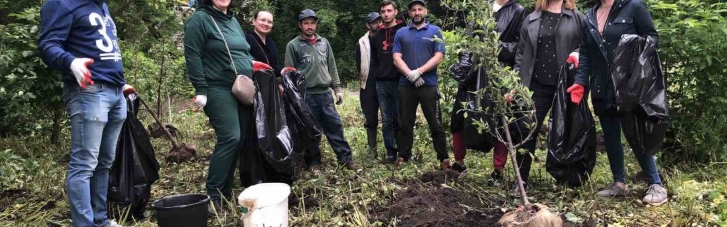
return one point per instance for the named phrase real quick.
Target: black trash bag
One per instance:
(135, 167)
(464, 70)
(477, 114)
(273, 138)
(476, 137)
(304, 128)
(254, 169)
(575, 174)
(641, 93)
(572, 131)
(571, 135)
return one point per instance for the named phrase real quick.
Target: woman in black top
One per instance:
(262, 47)
(606, 22)
(549, 38)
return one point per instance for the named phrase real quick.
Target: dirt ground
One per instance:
(428, 202)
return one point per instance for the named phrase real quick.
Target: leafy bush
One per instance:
(693, 50)
(14, 170)
(27, 86)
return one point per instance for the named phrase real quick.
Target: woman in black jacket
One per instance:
(549, 38)
(262, 47)
(604, 25)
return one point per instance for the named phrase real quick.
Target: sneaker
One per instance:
(351, 166)
(613, 190)
(656, 195)
(113, 223)
(445, 165)
(515, 189)
(495, 178)
(462, 169)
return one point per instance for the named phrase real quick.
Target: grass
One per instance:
(35, 196)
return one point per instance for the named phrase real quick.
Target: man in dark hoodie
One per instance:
(368, 94)
(79, 38)
(387, 77)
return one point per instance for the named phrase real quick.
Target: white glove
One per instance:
(419, 82)
(200, 101)
(129, 91)
(79, 67)
(413, 75)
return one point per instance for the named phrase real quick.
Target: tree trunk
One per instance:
(159, 89)
(55, 135)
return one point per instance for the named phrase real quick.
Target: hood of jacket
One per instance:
(217, 14)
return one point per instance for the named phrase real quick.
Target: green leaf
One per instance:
(573, 218)
(27, 53)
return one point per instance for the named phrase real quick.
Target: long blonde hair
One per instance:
(541, 5)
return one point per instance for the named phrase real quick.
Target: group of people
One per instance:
(397, 64)
(402, 60)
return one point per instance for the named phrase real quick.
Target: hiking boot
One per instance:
(351, 166)
(315, 169)
(495, 178)
(656, 195)
(462, 169)
(388, 160)
(515, 189)
(215, 207)
(445, 165)
(613, 190)
(373, 153)
(113, 223)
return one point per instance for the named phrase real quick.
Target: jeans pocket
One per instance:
(92, 88)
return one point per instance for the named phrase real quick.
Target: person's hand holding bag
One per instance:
(576, 93)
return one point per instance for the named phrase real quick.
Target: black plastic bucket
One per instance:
(187, 210)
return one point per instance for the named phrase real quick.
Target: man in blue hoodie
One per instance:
(78, 37)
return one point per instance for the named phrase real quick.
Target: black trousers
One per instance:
(370, 107)
(543, 98)
(428, 97)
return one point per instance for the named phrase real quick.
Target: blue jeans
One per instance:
(612, 134)
(325, 113)
(97, 114)
(388, 94)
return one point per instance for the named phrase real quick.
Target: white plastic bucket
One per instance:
(265, 205)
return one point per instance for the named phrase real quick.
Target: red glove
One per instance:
(257, 66)
(576, 93)
(128, 89)
(573, 58)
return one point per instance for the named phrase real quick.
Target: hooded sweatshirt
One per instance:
(71, 29)
(208, 62)
(314, 59)
(382, 55)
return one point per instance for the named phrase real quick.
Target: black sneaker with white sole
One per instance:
(461, 169)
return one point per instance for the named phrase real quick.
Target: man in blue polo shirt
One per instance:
(418, 50)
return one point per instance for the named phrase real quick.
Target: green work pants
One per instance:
(229, 119)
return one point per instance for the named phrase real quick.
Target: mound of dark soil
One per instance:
(440, 177)
(421, 205)
(306, 197)
(156, 132)
(182, 153)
